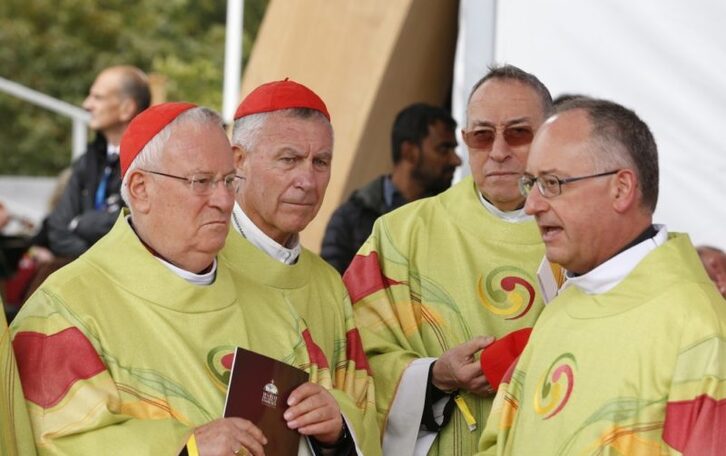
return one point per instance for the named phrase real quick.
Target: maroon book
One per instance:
(258, 390)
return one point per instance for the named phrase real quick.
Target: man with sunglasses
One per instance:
(441, 277)
(115, 350)
(629, 357)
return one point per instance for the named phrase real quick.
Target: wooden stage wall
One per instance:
(367, 59)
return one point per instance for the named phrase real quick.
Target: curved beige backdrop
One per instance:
(367, 60)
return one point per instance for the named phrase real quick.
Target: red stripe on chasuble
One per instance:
(50, 364)
(696, 427)
(354, 350)
(364, 277)
(316, 355)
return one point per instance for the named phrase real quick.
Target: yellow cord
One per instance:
(464, 409)
(192, 449)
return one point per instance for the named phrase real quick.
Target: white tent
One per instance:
(665, 59)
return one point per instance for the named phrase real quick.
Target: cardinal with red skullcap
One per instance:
(283, 148)
(120, 351)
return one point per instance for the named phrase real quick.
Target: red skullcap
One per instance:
(278, 95)
(497, 358)
(144, 127)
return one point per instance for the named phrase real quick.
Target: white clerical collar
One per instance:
(609, 274)
(516, 216)
(195, 279)
(244, 226)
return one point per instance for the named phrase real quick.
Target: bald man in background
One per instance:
(91, 202)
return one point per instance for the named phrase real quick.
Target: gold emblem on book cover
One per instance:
(270, 394)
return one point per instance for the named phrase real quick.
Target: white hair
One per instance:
(247, 129)
(150, 155)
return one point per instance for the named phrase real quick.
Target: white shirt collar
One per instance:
(244, 226)
(516, 216)
(609, 274)
(195, 279)
(112, 149)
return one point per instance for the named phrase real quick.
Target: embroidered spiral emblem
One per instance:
(506, 291)
(555, 386)
(219, 364)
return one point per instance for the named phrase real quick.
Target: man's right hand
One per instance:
(228, 436)
(457, 368)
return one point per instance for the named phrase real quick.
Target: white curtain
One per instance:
(665, 59)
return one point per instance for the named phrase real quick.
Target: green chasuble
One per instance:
(301, 314)
(120, 356)
(432, 275)
(16, 436)
(637, 370)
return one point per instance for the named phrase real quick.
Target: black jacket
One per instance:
(352, 223)
(78, 201)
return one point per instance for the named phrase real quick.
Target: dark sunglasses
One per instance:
(483, 138)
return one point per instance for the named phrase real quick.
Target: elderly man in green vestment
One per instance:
(124, 351)
(283, 148)
(439, 278)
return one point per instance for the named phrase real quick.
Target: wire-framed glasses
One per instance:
(550, 185)
(203, 184)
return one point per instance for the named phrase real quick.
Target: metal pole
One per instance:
(79, 116)
(41, 99)
(475, 50)
(80, 132)
(232, 59)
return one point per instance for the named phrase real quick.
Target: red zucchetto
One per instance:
(144, 127)
(497, 358)
(278, 95)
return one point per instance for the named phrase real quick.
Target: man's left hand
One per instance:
(313, 411)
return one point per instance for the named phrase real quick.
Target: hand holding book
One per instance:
(226, 435)
(259, 391)
(269, 405)
(314, 412)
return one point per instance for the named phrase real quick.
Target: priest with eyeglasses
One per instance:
(629, 357)
(116, 350)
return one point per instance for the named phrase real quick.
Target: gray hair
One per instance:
(513, 73)
(624, 140)
(246, 131)
(150, 155)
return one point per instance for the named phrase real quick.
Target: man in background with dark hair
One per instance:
(424, 159)
(91, 202)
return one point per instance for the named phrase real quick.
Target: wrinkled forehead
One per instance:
(200, 145)
(287, 127)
